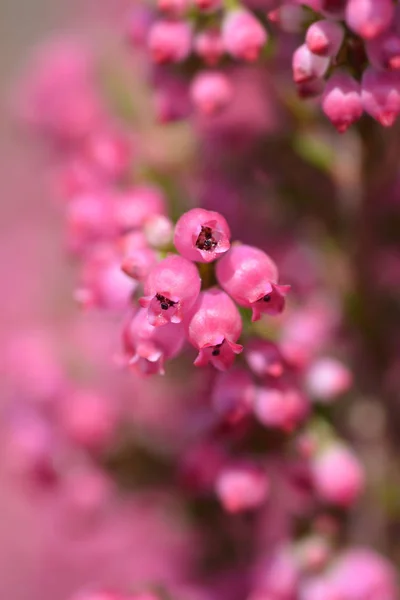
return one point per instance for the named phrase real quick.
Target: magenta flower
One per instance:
(369, 18)
(281, 407)
(307, 66)
(171, 289)
(213, 327)
(324, 38)
(208, 46)
(341, 101)
(233, 394)
(380, 93)
(211, 91)
(243, 35)
(327, 378)
(250, 276)
(264, 358)
(170, 41)
(147, 348)
(202, 235)
(242, 487)
(338, 475)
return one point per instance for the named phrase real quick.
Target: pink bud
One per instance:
(327, 378)
(281, 407)
(341, 101)
(147, 348)
(213, 327)
(369, 18)
(133, 207)
(338, 475)
(108, 151)
(171, 289)
(324, 38)
(170, 41)
(233, 393)
(384, 51)
(307, 66)
(211, 91)
(202, 235)
(250, 277)
(380, 93)
(137, 258)
(89, 219)
(88, 419)
(243, 35)
(264, 358)
(242, 488)
(209, 46)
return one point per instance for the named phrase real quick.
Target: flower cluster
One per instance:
(349, 58)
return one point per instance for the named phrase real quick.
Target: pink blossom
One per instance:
(283, 407)
(250, 276)
(170, 41)
(324, 38)
(147, 348)
(307, 66)
(369, 18)
(202, 235)
(209, 46)
(327, 378)
(341, 101)
(213, 327)
(242, 487)
(384, 51)
(132, 207)
(210, 91)
(338, 475)
(264, 358)
(380, 92)
(243, 35)
(233, 394)
(171, 289)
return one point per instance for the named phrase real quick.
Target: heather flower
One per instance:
(324, 38)
(213, 327)
(103, 284)
(240, 488)
(202, 235)
(264, 358)
(327, 378)
(250, 276)
(243, 35)
(146, 348)
(137, 259)
(134, 206)
(108, 151)
(369, 18)
(307, 66)
(282, 407)
(170, 41)
(338, 476)
(210, 91)
(380, 93)
(89, 220)
(384, 51)
(208, 5)
(209, 46)
(233, 394)
(171, 289)
(341, 101)
(159, 231)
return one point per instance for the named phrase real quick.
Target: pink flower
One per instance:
(307, 66)
(173, 8)
(341, 101)
(283, 407)
(89, 219)
(208, 5)
(208, 46)
(242, 487)
(133, 207)
(103, 284)
(338, 476)
(210, 91)
(384, 51)
(233, 394)
(170, 41)
(202, 235)
(147, 348)
(380, 93)
(108, 151)
(243, 35)
(324, 38)
(171, 289)
(327, 378)
(137, 260)
(213, 327)
(250, 276)
(369, 18)
(264, 358)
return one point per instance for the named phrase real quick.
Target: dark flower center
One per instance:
(206, 241)
(165, 303)
(217, 349)
(267, 298)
